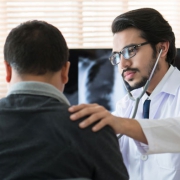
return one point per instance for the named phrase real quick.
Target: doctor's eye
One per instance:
(131, 50)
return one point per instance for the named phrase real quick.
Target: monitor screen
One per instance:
(93, 79)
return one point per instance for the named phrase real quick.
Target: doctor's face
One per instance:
(136, 69)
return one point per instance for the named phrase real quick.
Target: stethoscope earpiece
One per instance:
(161, 50)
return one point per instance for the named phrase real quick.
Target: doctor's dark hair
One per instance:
(154, 28)
(36, 47)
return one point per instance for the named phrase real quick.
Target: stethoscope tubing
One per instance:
(137, 100)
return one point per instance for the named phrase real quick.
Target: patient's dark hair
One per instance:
(36, 47)
(154, 28)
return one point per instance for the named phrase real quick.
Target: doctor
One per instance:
(139, 36)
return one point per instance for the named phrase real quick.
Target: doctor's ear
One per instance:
(162, 48)
(165, 47)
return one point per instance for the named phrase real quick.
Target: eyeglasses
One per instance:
(127, 52)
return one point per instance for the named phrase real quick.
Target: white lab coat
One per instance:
(165, 103)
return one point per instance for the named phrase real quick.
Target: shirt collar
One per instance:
(37, 88)
(172, 82)
(166, 84)
(160, 87)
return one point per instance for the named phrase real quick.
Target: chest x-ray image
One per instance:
(98, 81)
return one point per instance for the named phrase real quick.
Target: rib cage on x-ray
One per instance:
(99, 82)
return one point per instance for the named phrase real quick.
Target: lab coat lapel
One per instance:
(154, 106)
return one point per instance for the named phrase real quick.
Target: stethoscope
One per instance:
(137, 99)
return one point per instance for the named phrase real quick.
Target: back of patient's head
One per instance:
(35, 47)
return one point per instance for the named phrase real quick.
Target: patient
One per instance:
(37, 138)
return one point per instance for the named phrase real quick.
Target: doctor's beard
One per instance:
(144, 78)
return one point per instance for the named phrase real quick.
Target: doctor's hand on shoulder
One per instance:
(96, 112)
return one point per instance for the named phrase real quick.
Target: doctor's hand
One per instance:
(95, 113)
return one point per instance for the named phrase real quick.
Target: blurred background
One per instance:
(86, 25)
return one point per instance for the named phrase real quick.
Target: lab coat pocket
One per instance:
(169, 161)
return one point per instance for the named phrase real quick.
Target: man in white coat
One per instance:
(140, 36)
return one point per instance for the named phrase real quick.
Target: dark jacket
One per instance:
(39, 141)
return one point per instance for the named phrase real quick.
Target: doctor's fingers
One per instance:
(97, 116)
(111, 121)
(75, 108)
(83, 110)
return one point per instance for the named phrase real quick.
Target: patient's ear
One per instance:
(8, 71)
(65, 72)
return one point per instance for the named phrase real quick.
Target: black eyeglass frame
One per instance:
(111, 58)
